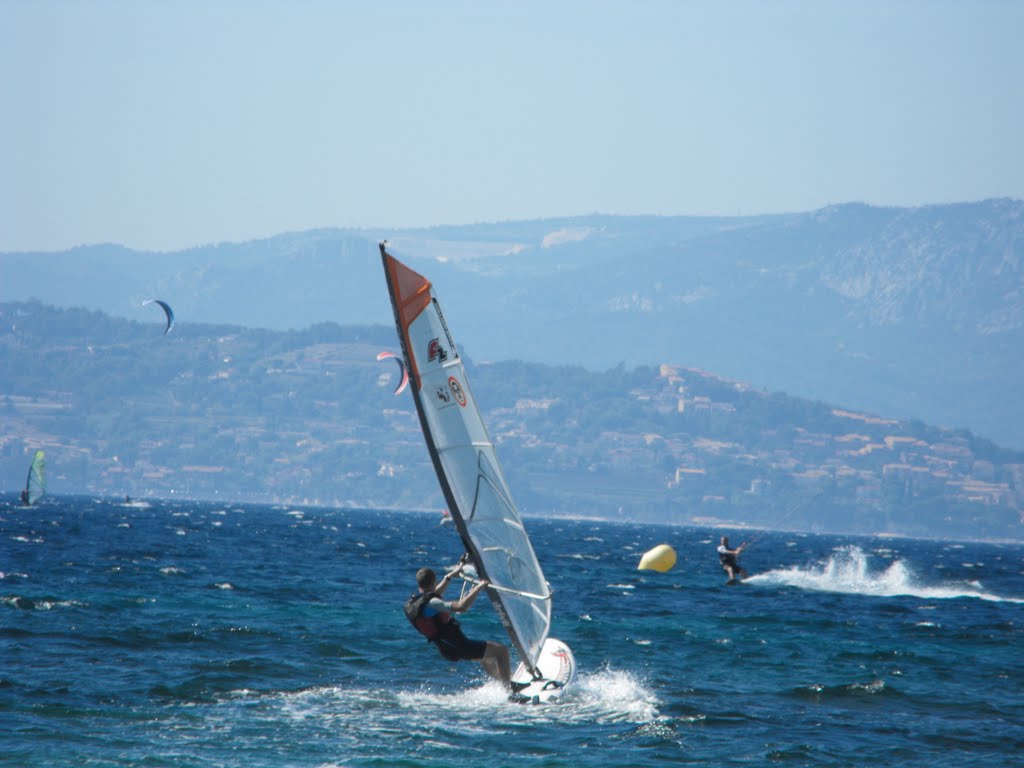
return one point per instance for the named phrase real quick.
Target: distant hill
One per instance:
(308, 416)
(915, 313)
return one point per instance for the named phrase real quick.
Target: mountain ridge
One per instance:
(915, 312)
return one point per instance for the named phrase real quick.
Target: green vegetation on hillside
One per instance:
(308, 416)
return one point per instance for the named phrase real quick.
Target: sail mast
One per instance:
(404, 314)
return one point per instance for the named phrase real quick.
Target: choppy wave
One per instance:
(848, 570)
(37, 604)
(818, 692)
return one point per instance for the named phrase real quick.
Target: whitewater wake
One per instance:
(848, 571)
(605, 696)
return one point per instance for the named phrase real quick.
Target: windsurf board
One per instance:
(557, 667)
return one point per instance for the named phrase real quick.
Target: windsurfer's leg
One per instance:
(497, 664)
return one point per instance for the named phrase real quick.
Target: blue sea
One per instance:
(203, 634)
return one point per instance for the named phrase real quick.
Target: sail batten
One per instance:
(466, 464)
(465, 445)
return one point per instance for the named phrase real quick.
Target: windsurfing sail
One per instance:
(168, 312)
(403, 374)
(35, 485)
(467, 468)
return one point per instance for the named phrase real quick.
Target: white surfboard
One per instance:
(557, 667)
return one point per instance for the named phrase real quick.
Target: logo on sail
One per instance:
(436, 352)
(456, 389)
(443, 397)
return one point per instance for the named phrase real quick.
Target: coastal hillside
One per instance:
(309, 416)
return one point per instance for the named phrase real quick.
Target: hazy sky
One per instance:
(163, 125)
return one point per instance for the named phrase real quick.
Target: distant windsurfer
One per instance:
(432, 616)
(24, 498)
(729, 558)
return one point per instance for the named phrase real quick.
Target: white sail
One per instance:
(474, 486)
(35, 484)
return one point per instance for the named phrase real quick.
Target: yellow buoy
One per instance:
(661, 558)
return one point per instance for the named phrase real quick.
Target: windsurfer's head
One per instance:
(426, 578)
(725, 541)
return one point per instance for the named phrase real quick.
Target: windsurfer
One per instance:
(729, 559)
(24, 498)
(432, 616)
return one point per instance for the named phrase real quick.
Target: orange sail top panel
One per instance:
(412, 288)
(412, 296)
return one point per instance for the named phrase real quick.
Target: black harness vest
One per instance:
(431, 627)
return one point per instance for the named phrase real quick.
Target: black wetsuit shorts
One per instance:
(455, 646)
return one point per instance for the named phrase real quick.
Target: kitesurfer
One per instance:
(729, 559)
(432, 616)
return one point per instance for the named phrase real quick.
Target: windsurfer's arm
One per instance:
(463, 603)
(443, 584)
